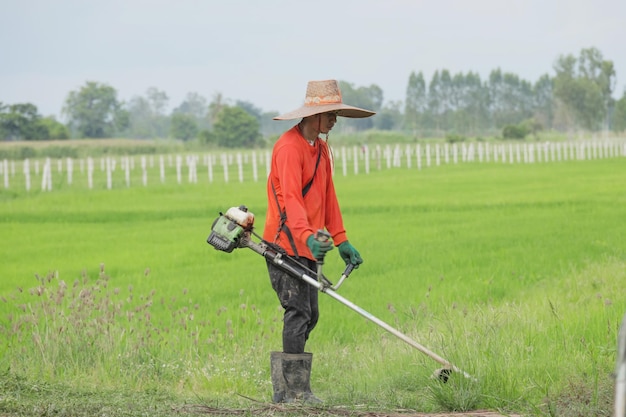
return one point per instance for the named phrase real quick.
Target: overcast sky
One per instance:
(265, 51)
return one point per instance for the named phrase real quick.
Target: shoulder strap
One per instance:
(307, 187)
(283, 214)
(282, 224)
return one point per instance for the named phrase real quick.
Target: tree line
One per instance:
(579, 96)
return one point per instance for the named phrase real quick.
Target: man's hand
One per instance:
(318, 248)
(350, 255)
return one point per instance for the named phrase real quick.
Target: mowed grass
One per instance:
(513, 272)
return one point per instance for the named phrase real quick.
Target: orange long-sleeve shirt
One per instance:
(293, 165)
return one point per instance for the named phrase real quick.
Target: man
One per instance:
(301, 201)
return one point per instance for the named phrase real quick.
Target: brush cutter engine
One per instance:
(230, 230)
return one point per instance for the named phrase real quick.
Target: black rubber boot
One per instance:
(297, 375)
(278, 380)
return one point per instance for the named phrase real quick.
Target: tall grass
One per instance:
(513, 272)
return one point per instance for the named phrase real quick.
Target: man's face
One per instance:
(327, 121)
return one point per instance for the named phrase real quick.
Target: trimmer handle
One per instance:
(346, 273)
(322, 235)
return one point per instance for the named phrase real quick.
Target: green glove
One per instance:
(350, 255)
(318, 249)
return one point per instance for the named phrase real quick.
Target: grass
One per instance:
(113, 302)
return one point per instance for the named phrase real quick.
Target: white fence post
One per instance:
(26, 170)
(224, 159)
(5, 171)
(109, 170)
(70, 170)
(255, 174)
(90, 172)
(239, 167)
(144, 171)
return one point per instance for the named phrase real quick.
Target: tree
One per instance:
(467, 111)
(56, 129)
(543, 103)
(510, 98)
(194, 104)
(584, 86)
(370, 98)
(619, 114)
(22, 122)
(183, 126)
(389, 117)
(415, 103)
(94, 111)
(235, 128)
(147, 115)
(215, 107)
(141, 117)
(435, 102)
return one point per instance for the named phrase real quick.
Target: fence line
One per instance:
(249, 165)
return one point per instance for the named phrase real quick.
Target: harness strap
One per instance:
(283, 214)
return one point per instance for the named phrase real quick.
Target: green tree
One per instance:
(183, 126)
(390, 117)
(141, 116)
(584, 86)
(468, 104)
(95, 112)
(235, 127)
(370, 98)
(22, 122)
(147, 115)
(196, 106)
(510, 98)
(543, 102)
(436, 103)
(619, 114)
(415, 102)
(56, 129)
(215, 107)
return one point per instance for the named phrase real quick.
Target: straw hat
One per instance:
(321, 97)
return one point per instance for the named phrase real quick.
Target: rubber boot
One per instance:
(278, 380)
(297, 374)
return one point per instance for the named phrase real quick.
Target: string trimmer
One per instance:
(235, 230)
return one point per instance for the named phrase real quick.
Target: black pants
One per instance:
(300, 301)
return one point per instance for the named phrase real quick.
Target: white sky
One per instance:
(265, 51)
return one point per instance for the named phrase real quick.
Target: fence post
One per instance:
(162, 169)
(239, 166)
(144, 170)
(179, 162)
(255, 174)
(26, 169)
(209, 163)
(5, 171)
(224, 159)
(125, 163)
(90, 172)
(418, 156)
(408, 156)
(109, 168)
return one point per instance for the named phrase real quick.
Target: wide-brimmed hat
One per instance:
(322, 97)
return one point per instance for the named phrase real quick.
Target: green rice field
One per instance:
(111, 299)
